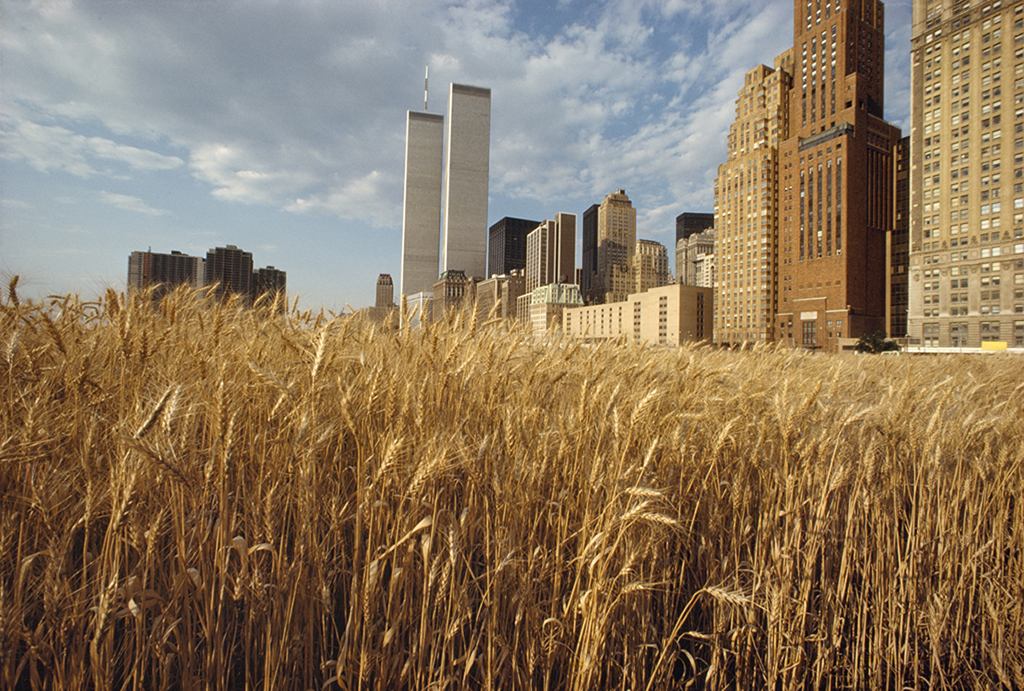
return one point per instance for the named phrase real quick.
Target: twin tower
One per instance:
(452, 166)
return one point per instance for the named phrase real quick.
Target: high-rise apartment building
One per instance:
(747, 210)
(836, 179)
(270, 284)
(467, 167)
(616, 239)
(164, 272)
(229, 270)
(588, 272)
(649, 266)
(506, 250)
(421, 206)
(967, 174)
(551, 252)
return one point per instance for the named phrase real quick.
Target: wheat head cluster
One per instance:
(196, 495)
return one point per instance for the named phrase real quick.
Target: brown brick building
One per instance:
(835, 178)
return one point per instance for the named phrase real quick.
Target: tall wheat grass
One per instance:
(200, 496)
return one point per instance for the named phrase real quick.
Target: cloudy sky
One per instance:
(279, 125)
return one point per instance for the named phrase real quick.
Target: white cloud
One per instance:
(129, 203)
(50, 147)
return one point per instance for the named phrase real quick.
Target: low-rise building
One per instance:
(669, 315)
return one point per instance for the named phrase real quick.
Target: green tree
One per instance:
(876, 343)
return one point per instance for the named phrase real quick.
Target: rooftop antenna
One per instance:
(426, 83)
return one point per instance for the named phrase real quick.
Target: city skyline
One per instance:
(295, 150)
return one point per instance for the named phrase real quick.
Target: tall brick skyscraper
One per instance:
(835, 178)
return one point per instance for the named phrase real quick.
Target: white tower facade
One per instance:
(421, 213)
(466, 180)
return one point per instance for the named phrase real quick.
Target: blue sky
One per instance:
(279, 126)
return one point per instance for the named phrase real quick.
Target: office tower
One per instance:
(229, 270)
(967, 174)
(899, 246)
(385, 292)
(747, 207)
(466, 178)
(421, 206)
(836, 180)
(616, 238)
(551, 252)
(588, 272)
(649, 266)
(689, 252)
(272, 283)
(705, 271)
(163, 272)
(690, 223)
(500, 294)
(507, 246)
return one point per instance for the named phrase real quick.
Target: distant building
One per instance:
(551, 252)
(502, 291)
(546, 305)
(588, 272)
(649, 266)
(669, 315)
(385, 292)
(229, 271)
(690, 252)
(616, 238)
(164, 272)
(507, 246)
(272, 283)
(421, 207)
(419, 307)
(452, 290)
(466, 179)
(690, 223)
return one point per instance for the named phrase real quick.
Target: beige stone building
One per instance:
(616, 239)
(747, 208)
(542, 308)
(669, 315)
(503, 291)
(649, 266)
(966, 282)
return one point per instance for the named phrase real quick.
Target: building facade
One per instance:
(547, 305)
(588, 272)
(691, 252)
(270, 286)
(966, 276)
(898, 289)
(649, 266)
(836, 176)
(506, 249)
(690, 223)
(499, 293)
(421, 204)
(747, 208)
(669, 315)
(164, 272)
(616, 240)
(551, 252)
(385, 292)
(467, 169)
(229, 271)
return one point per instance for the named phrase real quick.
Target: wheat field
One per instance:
(202, 496)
